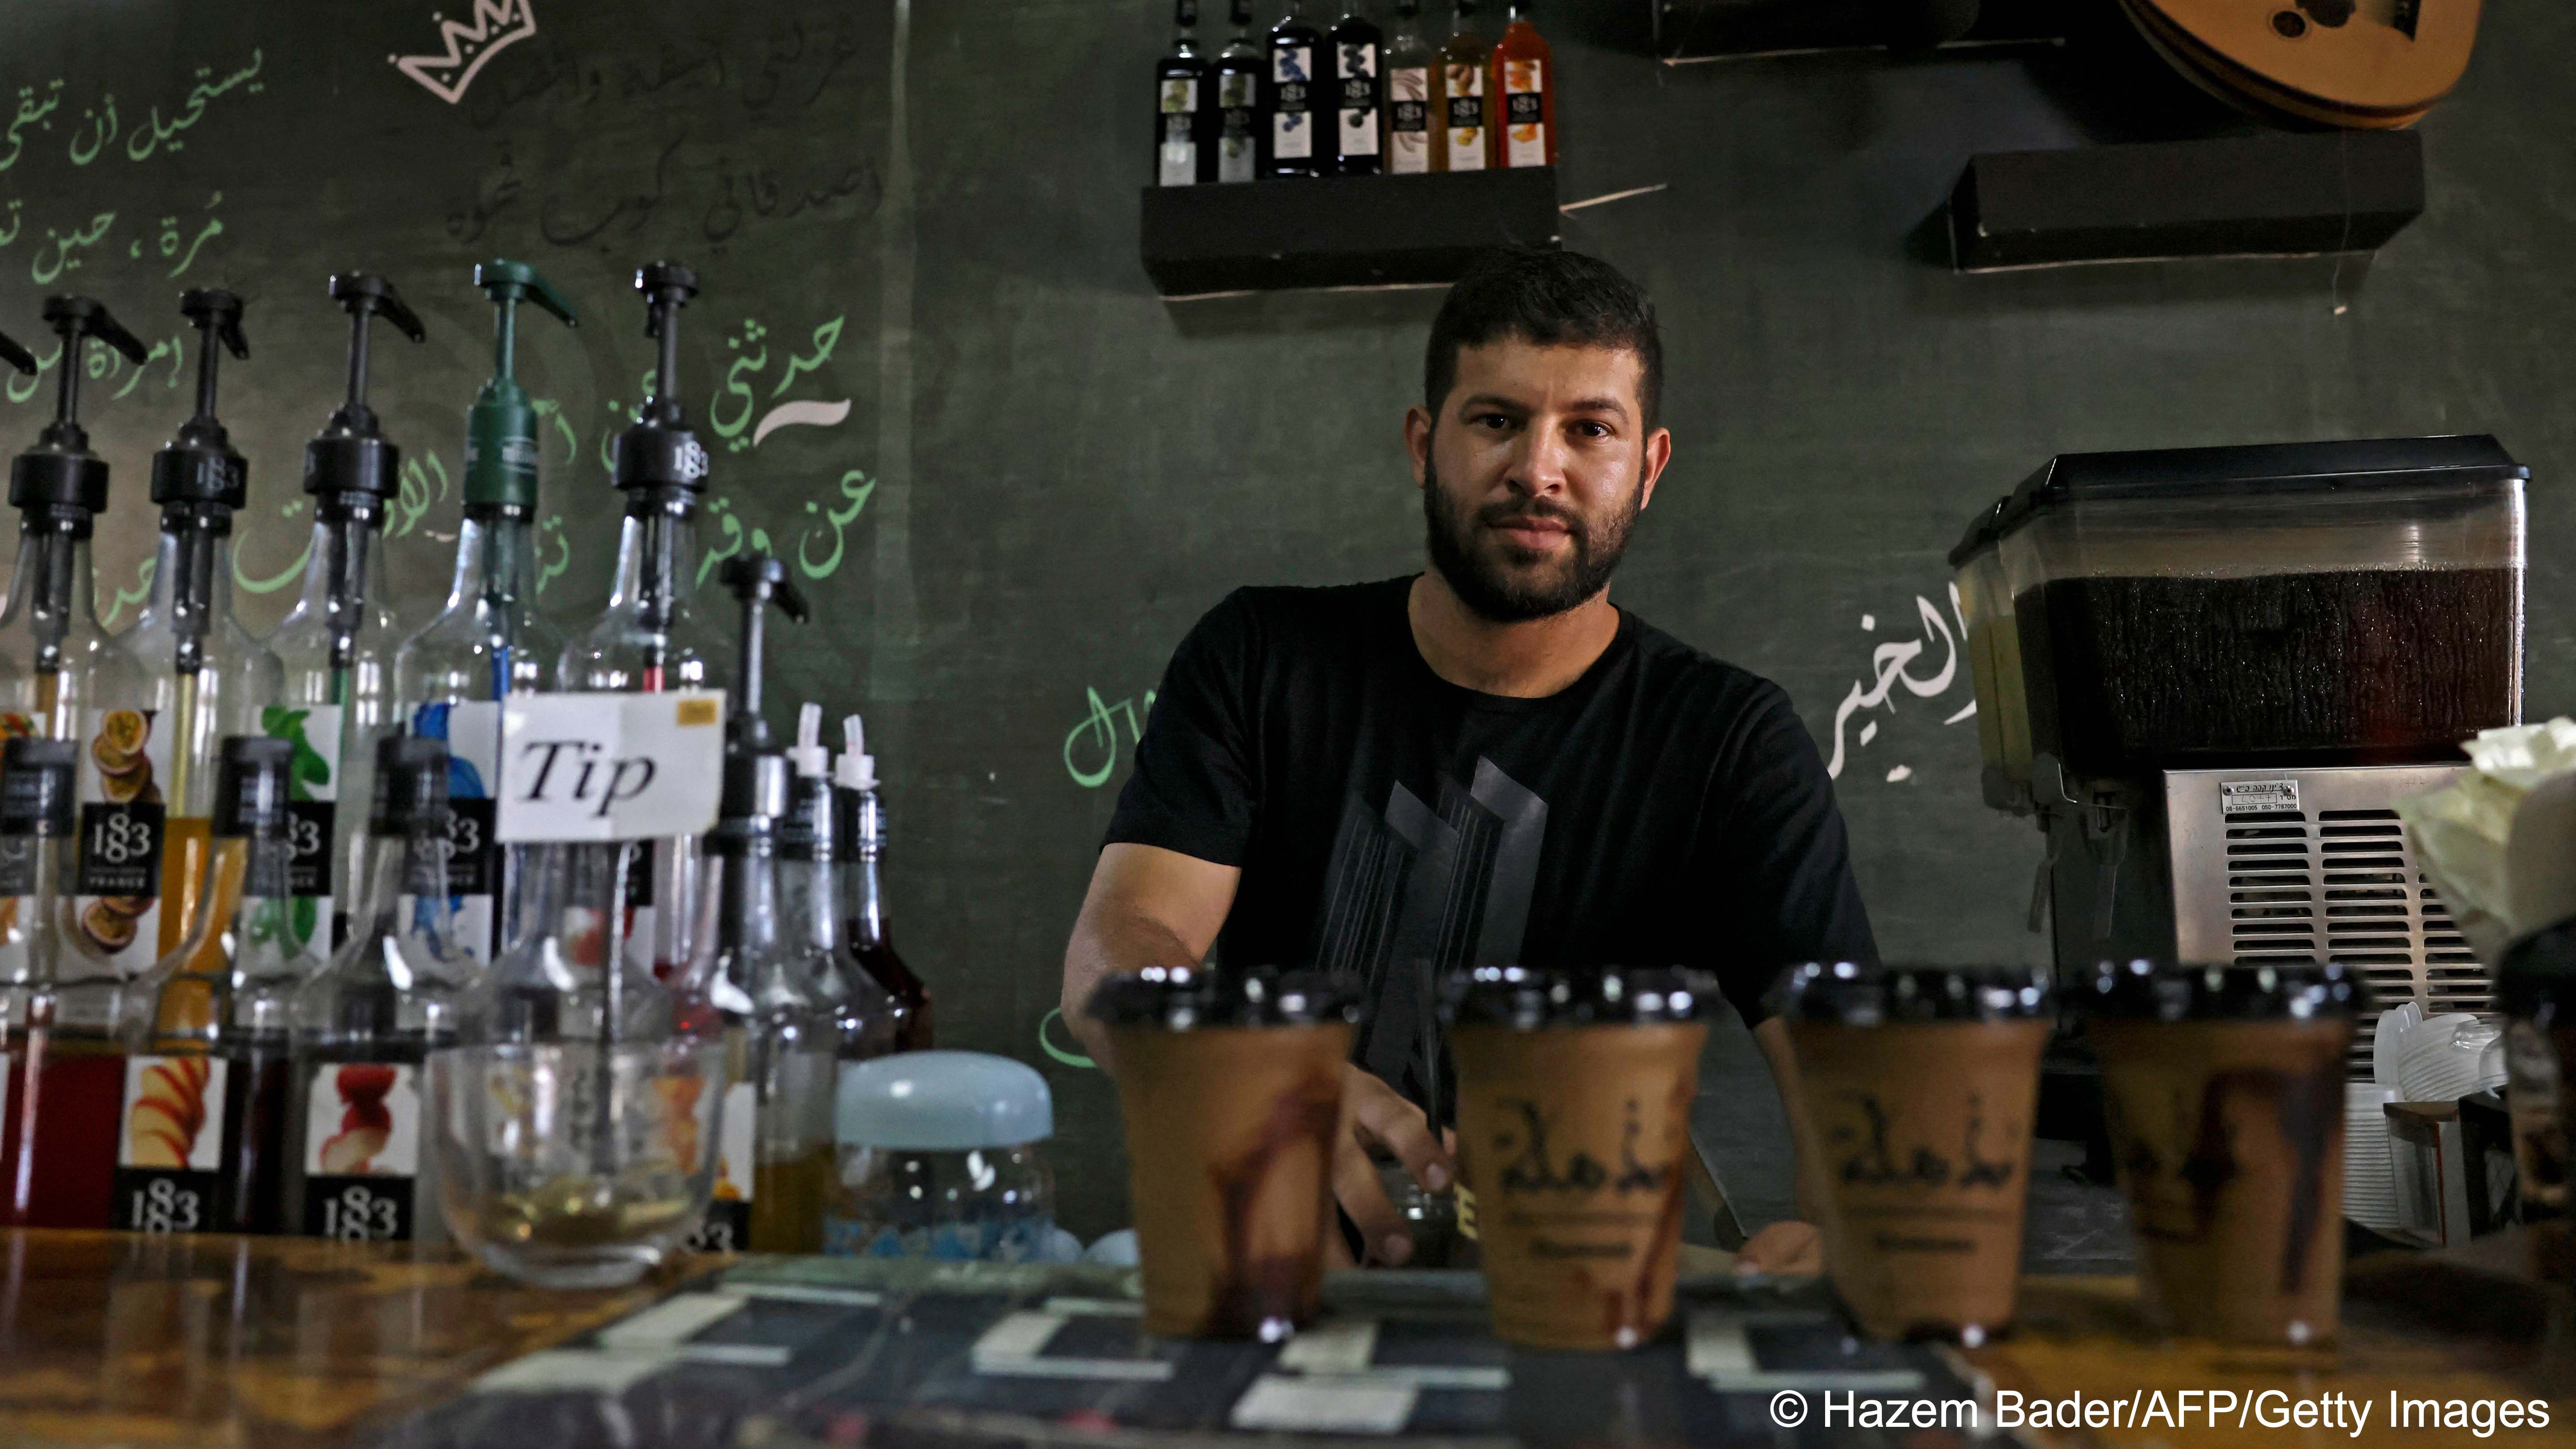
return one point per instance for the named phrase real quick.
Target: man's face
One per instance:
(1533, 473)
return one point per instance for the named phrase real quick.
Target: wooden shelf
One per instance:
(1348, 231)
(2278, 194)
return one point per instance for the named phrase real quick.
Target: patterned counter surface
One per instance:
(279, 1343)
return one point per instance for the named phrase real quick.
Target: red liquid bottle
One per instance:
(868, 940)
(65, 1070)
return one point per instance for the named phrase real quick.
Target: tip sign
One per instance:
(598, 767)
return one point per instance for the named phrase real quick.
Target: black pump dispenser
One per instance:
(658, 451)
(17, 356)
(200, 465)
(755, 778)
(60, 475)
(351, 461)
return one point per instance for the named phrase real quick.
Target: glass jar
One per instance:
(940, 1157)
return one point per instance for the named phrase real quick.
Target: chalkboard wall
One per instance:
(1011, 477)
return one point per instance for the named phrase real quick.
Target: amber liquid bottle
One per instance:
(201, 1144)
(65, 1067)
(1523, 87)
(1464, 108)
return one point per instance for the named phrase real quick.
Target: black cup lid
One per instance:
(2151, 991)
(1857, 994)
(1529, 997)
(2538, 972)
(1178, 998)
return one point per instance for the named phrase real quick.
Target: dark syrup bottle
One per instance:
(1292, 100)
(1238, 72)
(1184, 107)
(1358, 51)
(867, 937)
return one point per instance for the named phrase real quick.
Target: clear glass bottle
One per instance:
(64, 1075)
(865, 1019)
(211, 677)
(869, 937)
(337, 645)
(1464, 106)
(357, 1166)
(555, 984)
(62, 676)
(1409, 82)
(1182, 156)
(206, 1095)
(489, 641)
(1358, 50)
(651, 637)
(1524, 89)
(1239, 69)
(1292, 100)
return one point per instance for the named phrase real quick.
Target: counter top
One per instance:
(279, 1343)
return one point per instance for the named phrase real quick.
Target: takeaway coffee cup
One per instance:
(2224, 1093)
(1230, 1083)
(1919, 1084)
(1574, 1093)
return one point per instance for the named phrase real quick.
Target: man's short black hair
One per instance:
(1551, 298)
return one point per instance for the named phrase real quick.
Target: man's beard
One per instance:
(1498, 590)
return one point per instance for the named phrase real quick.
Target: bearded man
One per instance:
(1484, 763)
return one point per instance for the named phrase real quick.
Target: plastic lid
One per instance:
(1179, 998)
(1864, 995)
(942, 1102)
(1982, 533)
(2464, 461)
(250, 785)
(2538, 971)
(856, 769)
(808, 756)
(2148, 991)
(1527, 997)
(411, 784)
(37, 779)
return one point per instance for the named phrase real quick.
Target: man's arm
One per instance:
(1154, 907)
(1788, 1247)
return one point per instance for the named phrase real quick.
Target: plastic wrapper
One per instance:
(2494, 844)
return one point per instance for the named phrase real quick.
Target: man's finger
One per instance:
(1356, 1187)
(1784, 1248)
(1397, 1125)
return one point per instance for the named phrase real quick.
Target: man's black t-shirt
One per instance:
(1665, 809)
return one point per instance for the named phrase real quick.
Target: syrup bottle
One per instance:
(1464, 108)
(810, 855)
(1292, 100)
(1183, 106)
(870, 939)
(1409, 84)
(1239, 70)
(1524, 89)
(203, 1133)
(1358, 51)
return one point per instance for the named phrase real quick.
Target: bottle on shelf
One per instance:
(651, 638)
(810, 849)
(1183, 107)
(488, 642)
(64, 1076)
(1523, 85)
(775, 1150)
(63, 677)
(202, 1138)
(1238, 74)
(211, 677)
(337, 644)
(1409, 84)
(1464, 105)
(1358, 51)
(1291, 106)
(357, 1165)
(868, 937)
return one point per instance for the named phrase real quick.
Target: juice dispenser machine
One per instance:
(2210, 673)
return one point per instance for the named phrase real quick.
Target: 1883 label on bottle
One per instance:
(1292, 78)
(170, 1145)
(361, 1150)
(120, 849)
(308, 831)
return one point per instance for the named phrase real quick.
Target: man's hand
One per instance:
(1374, 1116)
(1793, 1249)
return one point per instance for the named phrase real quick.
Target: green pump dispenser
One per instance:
(501, 431)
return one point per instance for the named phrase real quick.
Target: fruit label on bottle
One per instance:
(115, 909)
(473, 735)
(361, 1150)
(727, 1228)
(1238, 115)
(312, 790)
(1176, 160)
(1524, 113)
(1292, 128)
(1465, 92)
(1408, 120)
(1355, 69)
(170, 1143)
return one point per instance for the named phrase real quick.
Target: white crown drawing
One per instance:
(496, 25)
